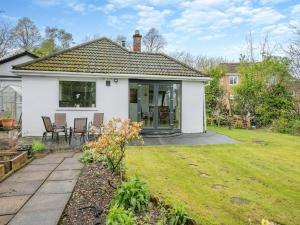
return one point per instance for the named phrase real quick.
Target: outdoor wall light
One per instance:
(116, 80)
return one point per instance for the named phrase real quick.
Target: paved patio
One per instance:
(38, 193)
(190, 139)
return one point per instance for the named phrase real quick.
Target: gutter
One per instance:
(33, 73)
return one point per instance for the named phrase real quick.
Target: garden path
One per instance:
(38, 193)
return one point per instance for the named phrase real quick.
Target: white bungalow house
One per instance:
(102, 76)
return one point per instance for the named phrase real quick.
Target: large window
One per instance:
(77, 94)
(233, 80)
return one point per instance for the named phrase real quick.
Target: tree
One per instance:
(263, 91)
(154, 41)
(55, 40)
(25, 34)
(5, 39)
(201, 62)
(293, 52)
(214, 92)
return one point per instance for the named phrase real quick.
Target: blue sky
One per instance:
(201, 27)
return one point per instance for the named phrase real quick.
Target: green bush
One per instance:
(177, 216)
(283, 125)
(38, 146)
(133, 195)
(295, 126)
(86, 157)
(119, 216)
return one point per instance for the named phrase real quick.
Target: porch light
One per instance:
(116, 80)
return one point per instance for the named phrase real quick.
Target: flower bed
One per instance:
(12, 160)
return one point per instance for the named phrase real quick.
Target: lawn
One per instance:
(259, 177)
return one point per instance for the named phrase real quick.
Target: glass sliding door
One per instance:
(156, 103)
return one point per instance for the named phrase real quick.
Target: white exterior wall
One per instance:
(41, 98)
(192, 107)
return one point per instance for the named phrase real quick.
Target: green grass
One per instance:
(267, 174)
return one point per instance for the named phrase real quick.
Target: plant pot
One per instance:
(7, 123)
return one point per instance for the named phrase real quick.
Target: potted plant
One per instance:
(7, 120)
(39, 149)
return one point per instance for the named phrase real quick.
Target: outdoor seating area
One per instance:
(81, 127)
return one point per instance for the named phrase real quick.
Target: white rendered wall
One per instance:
(41, 98)
(192, 107)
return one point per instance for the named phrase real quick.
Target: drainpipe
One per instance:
(204, 106)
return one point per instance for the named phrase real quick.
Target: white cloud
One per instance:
(296, 10)
(149, 17)
(211, 37)
(265, 15)
(75, 5)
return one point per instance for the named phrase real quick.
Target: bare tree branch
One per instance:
(5, 39)
(153, 41)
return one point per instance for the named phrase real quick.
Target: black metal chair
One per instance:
(50, 128)
(80, 127)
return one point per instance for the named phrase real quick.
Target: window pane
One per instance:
(77, 94)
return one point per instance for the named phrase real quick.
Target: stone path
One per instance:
(38, 193)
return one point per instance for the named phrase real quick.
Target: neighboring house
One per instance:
(10, 83)
(103, 76)
(229, 80)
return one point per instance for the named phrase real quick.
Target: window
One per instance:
(77, 94)
(233, 80)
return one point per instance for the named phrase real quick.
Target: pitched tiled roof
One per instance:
(105, 56)
(231, 67)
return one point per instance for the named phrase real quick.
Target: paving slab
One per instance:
(68, 166)
(21, 188)
(21, 176)
(50, 217)
(5, 219)
(62, 155)
(57, 187)
(71, 161)
(46, 202)
(40, 167)
(188, 139)
(11, 204)
(47, 160)
(64, 175)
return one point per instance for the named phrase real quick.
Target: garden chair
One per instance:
(80, 127)
(60, 120)
(95, 127)
(50, 128)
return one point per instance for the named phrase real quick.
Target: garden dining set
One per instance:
(81, 127)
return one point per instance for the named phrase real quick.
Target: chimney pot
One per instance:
(123, 43)
(137, 41)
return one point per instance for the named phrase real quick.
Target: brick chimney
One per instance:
(137, 41)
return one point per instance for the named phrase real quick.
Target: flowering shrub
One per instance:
(111, 145)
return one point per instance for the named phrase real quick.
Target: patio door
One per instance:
(155, 105)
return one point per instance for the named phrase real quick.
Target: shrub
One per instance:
(38, 146)
(295, 126)
(177, 216)
(119, 216)
(86, 157)
(133, 195)
(111, 146)
(283, 125)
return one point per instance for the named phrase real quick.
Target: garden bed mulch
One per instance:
(92, 195)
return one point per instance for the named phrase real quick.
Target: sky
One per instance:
(201, 27)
